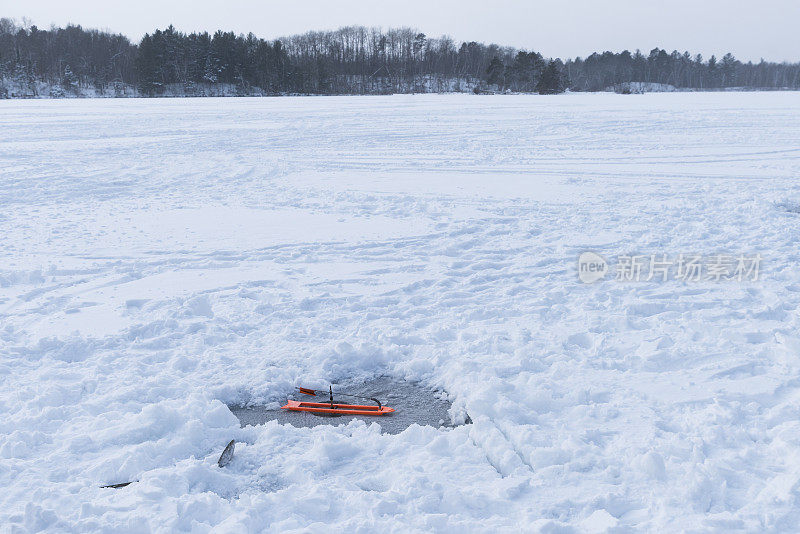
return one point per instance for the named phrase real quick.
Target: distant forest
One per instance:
(352, 60)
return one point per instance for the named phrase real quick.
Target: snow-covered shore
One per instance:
(41, 90)
(163, 257)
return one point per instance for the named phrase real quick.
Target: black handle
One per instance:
(309, 391)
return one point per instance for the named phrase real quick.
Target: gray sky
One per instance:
(750, 29)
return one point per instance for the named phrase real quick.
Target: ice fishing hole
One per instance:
(413, 403)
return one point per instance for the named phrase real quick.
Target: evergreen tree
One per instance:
(495, 73)
(146, 66)
(713, 72)
(728, 67)
(525, 71)
(68, 80)
(551, 81)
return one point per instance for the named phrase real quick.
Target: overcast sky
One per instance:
(750, 29)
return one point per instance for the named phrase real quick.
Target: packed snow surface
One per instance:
(164, 258)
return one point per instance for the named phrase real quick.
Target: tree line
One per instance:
(681, 70)
(351, 60)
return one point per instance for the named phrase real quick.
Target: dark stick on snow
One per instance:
(117, 486)
(227, 455)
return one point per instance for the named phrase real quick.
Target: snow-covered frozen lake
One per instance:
(163, 258)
